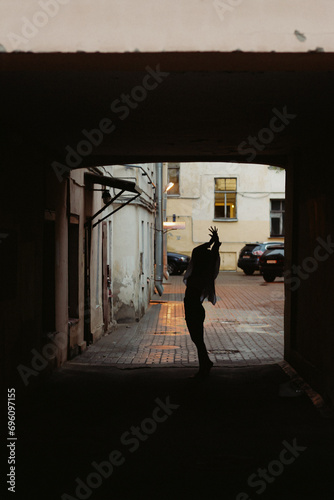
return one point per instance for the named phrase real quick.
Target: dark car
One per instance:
(272, 263)
(249, 256)
(177, 263)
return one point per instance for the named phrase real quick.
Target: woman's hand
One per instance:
(214, 235)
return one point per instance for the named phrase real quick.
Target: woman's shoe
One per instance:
(204, 370)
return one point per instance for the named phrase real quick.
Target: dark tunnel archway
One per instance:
(94, 109)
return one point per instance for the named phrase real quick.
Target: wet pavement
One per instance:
(244, 328)
(127, 421)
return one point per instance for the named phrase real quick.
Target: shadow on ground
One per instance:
(170, 437)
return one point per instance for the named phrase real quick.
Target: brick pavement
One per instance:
(244, 328)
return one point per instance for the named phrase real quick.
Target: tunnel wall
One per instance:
(309, 311)
(21, 227)
(309, 317)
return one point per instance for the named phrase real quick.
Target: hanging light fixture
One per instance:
(168, 187)
(106, 196)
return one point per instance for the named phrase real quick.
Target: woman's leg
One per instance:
(195, 315)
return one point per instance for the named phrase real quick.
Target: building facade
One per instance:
(76, 261)
(245, 202)
(131, 235)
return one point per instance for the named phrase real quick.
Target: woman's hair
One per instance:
(200, 257)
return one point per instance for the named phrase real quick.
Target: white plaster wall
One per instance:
(125, 240)
(131, 289)
(160, 25)
(256, 185)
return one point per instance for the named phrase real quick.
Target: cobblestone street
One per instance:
(244, 328)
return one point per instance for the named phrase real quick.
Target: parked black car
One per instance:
(272, 263)
(177, 263)
(249, 256)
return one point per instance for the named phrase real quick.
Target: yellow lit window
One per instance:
(226, 198)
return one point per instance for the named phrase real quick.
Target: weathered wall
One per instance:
(157, 25)
(256, 185)
(77, 200)
(133, 235)
(96, 310)
(125, 265)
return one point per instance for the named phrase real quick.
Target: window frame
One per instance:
(277, 214)
(226, 219)
(174, 165)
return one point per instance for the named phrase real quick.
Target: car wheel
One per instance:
(249, 272)
(171, 268)
(269, 278)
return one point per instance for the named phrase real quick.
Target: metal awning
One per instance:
(113, 182)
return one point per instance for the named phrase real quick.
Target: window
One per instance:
(277, 215)
(174, 176)
(226, 198)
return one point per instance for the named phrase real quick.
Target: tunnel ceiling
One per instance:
(187, 107)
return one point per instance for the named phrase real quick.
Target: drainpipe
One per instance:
(159, 232)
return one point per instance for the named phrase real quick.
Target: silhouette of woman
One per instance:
(200, 282)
